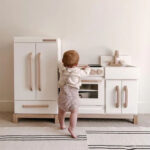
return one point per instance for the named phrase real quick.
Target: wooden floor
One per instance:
(6, 121)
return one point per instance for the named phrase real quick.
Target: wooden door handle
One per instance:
(30, 72)
(118, 96)
(126, 96)
(49, 40)
(39, 72)
(35, 106)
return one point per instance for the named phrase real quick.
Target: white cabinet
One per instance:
(24, 71)
(129, 72)
(35, 75)
(46, 71)
(121, 96)
(36, 107)
(113, 96)
(129, 96)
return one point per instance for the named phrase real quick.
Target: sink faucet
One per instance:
(115, 61)
(116, 56)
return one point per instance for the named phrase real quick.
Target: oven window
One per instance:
(89, 87)
(88, 91)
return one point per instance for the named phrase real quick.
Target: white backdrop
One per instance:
(93, 27)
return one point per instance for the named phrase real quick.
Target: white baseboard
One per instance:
(8, 106)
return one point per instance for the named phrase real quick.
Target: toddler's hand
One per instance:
(84, 67)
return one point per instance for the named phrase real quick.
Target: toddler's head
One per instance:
(70, 58)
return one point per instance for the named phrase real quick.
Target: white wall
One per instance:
(93, 27)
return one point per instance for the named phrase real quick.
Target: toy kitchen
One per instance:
(111, 89)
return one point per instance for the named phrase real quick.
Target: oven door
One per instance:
(92, 92)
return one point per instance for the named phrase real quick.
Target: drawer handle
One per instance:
(117, 103)
(49, 40)
(39, 71)
(126, 96)
(35, 106)
(30, 71)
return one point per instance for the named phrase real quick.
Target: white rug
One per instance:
(47, 138)
(40, 138)
(123, 138)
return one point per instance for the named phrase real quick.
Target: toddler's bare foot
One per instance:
(73, 135)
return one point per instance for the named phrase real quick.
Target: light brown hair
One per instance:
(70, 58)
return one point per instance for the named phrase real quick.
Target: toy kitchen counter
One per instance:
(110, 91)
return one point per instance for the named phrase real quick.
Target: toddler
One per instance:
(69, 83)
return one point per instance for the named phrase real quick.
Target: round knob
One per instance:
(99, 71)
(93, 72)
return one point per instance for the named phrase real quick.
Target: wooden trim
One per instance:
(135, 119)
(49, 40)
(56, 119)
(111, 116)
(35, 106)
(79, 115)
(55, 116)
(107, 116)
(39, 72)
(30, 71)
(15, 118)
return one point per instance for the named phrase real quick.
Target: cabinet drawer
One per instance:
(121, 73)
(36, 107)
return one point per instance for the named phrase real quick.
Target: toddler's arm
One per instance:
(85, 71)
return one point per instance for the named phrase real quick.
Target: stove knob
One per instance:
(93, 72)
(99, 71)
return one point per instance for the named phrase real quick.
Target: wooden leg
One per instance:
(15, 118)
(56, 119)
(135, 119)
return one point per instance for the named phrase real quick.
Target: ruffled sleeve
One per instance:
(85, 72)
